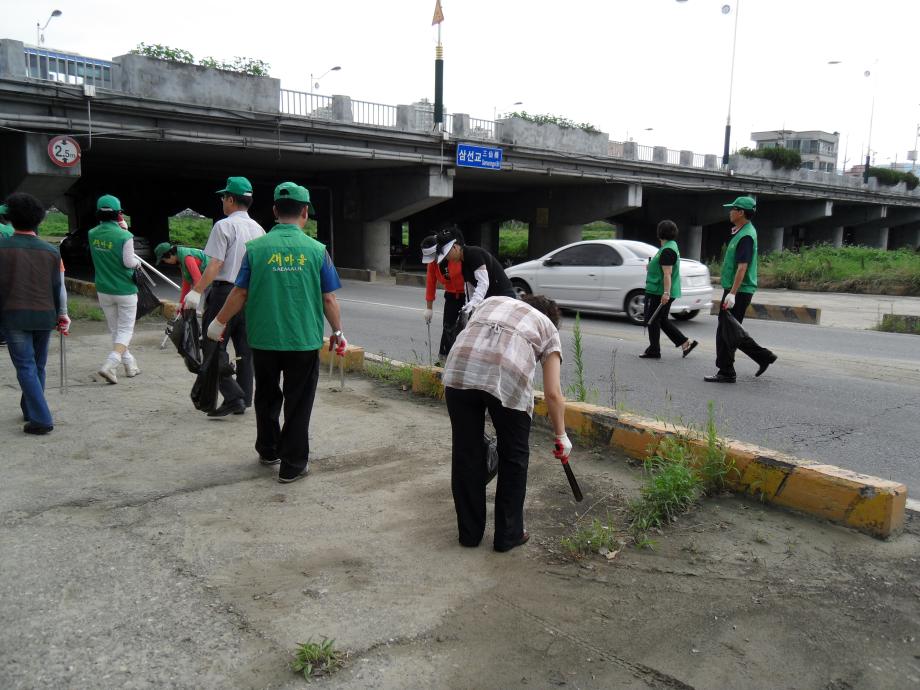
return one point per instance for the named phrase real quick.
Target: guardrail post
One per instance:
(711, 161)
(630, 150)
(341, 109)
(686, 158)
(659, 154)
(12, 59)
(461, 125)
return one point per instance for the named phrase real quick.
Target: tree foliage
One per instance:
(787, 159)
(240, 65)
(563, 122)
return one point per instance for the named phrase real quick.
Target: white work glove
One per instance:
(729, 301)
(215, 329)
(192, 299)
(563, 447)
(428, 315)
(63, 324)
(338, 343)
(469, 308)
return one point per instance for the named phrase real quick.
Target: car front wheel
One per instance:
(520, 287)
(686, 315)
(635, 307)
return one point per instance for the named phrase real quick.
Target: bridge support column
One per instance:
(770, 240)
(489, 236)
(376, 245)
(543, 239)
(831, 236)
(872, 237)
(691, 246)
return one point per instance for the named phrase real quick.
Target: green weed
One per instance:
(54, 225)
(388, 373)
(316, 659)
(592, 538)
(81, 308)
(715, 467)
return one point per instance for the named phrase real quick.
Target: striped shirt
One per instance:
(499, 349)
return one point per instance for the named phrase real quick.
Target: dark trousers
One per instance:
(662, 323)
(236, 332)
(467, 410)
(300, 372)
(452, 305)
(725, 356)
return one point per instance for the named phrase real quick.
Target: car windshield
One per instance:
(640, 249)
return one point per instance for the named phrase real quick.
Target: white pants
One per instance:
(119, 314)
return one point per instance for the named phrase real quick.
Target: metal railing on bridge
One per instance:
(66, 68)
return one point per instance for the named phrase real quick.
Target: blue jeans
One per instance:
(29, 352)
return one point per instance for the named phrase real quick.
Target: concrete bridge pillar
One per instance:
(472, 232)
(871, 237)
(488, 236)
(418, 231)
(376, 246)
(691, 244)
(769, 240)
(543, 239)
(831, 236)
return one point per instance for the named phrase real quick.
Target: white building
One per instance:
(818, 149)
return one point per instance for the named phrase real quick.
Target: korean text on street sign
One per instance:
(472, 156)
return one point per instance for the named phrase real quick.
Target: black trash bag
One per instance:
(185, 334)
(205, 389)
(490, 450)
(147, 301)
(732, 330)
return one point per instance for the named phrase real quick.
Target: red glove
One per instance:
(338, 342)
(63, 324)
(562, 447)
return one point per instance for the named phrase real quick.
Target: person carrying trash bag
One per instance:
(451, 277)
(287, 285)
(192, 263)
(492, 367)
(111, 247)
(739, 282)
(662, 284)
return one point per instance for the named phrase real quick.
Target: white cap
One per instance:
(429, 254)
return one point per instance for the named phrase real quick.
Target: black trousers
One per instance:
(236, 332)
(725, 356)
(662, 323)
(291, 442)
(467, 410)
(452, 305)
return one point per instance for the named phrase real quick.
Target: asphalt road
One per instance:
(842, 396)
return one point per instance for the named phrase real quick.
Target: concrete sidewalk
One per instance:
(142, 545)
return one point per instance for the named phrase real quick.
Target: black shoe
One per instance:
(763, 367)
(268, 461)
(520, 542)
(288, 480)
(36, 429)
(719, 378)
(229, 407)
(689, 349)
(649, 355)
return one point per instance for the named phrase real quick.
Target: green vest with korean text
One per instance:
(284, 307)
(654, 278)
(729, 265)
(182, 253)
(106, 242)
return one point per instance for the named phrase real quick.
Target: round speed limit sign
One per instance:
(64, 151)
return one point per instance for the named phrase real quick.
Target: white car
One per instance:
(608, 276)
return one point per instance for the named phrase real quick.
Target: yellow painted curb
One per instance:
(865, 503)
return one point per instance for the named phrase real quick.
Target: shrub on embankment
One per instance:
(841, 269)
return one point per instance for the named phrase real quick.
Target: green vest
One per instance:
(182, 253)
(6, 230)
(284, 307)
(729, 265)
(106, 241)
(654, 278)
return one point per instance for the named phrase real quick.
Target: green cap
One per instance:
(161, 249)
(107, 202)
(237, 185)
(2, 209)
(292, 190)
(745, 202)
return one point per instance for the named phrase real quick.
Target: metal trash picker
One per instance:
(332, 358)
(63, 365)
(169, 325)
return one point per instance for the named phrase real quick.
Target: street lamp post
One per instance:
(39, 29)
(867, 74)
(495, 112)
(314, 84)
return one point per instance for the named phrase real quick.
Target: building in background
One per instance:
(818, 149)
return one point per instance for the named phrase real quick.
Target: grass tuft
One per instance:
(592, 538)
(314, 659)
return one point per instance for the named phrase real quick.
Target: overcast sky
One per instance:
(621, 65)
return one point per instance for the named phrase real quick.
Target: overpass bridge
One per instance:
(161, 135)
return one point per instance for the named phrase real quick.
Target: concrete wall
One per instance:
(183, 83)
(548, 136)
(12, 59)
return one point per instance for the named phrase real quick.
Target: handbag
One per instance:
(147, 300)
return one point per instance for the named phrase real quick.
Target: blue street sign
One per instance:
(473, 156)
